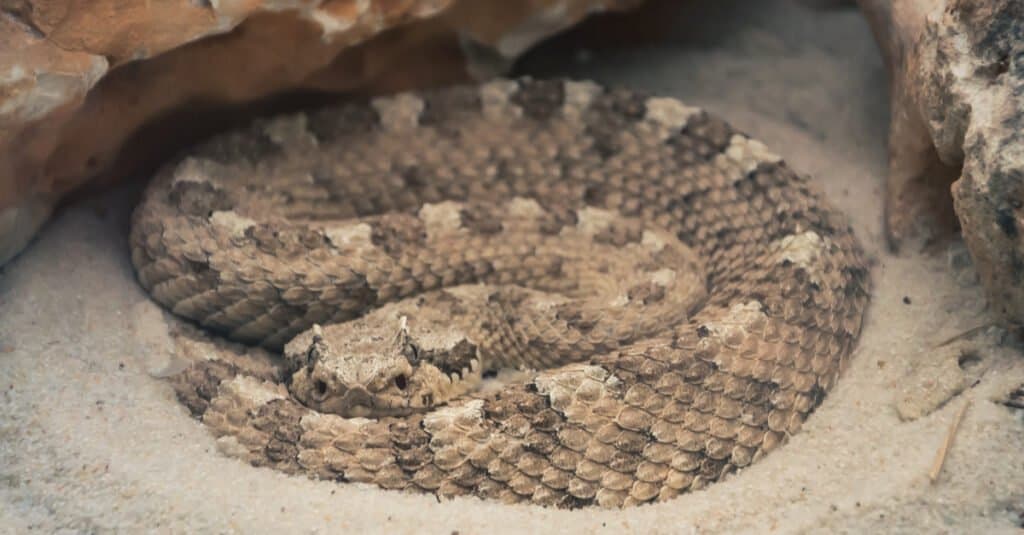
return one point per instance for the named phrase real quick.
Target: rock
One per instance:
(92, 94)
(957, 99)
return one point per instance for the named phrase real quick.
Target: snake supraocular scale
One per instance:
(696, 298)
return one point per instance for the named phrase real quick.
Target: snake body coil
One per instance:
(696, 298)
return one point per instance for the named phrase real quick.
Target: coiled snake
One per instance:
(684, 298)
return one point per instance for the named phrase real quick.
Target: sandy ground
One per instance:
(91, 442)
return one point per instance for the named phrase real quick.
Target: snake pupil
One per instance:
(401, 382)
(321, 388)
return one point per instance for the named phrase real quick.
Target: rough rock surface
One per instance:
(957, 99)
(82, 84)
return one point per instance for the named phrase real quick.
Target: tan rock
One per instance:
(957, 115)
(95, 90)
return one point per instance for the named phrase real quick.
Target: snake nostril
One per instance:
(401, 382)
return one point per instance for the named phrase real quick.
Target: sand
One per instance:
(92, 442)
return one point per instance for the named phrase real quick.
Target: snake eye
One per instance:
(401, 382)
(321, 388)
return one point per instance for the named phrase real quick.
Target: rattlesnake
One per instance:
(689, 298)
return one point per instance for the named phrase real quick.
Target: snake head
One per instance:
(369, 367)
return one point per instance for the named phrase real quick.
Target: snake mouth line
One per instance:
(375, 412)
(345, 409)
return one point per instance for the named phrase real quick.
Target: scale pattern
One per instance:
(324, 216)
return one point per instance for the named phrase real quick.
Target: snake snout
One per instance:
(357, 396)
(349, 400)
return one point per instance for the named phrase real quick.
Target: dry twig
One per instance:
(940, 457)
